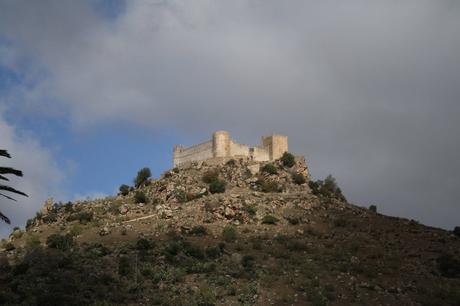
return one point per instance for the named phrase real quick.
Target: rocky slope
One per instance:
(267, 239)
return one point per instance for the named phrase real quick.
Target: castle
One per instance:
(221, 147)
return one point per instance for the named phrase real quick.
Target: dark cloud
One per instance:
(367, 91)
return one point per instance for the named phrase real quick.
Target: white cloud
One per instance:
(41, 179)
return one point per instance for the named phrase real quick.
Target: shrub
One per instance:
(142, 177)
(268, 186)
(250, 209)
(210, 176)
(457, 231)
(50, 218)
(288, 160)
(68, 207)
(448, 266)
(270, 169)
(340, 222)
(124, 266)
(83, 217)
(218, 186)
(32, 241)
(248, 262)
(139, 197)
(269, 219)
(373, 208)
(30, 223)
(298, 178)
(143, 244)
(231, 163)
(229, 233)
(199, 230)
(124, 189)
(60, 242)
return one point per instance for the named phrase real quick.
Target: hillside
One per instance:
(240, 233)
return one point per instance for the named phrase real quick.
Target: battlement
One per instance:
(222, 147)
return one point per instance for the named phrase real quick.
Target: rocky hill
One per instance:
(240, 233)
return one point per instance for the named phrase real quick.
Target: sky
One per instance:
(368, 91)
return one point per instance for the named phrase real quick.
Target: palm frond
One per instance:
(11, 189)
(9, 170)
(4, 218)
(8, 197)
(3, 178)
(4, 153)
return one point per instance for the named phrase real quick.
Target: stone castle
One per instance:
(221, 147)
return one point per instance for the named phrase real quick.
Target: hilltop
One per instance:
(239, 233)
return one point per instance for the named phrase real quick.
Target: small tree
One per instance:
(373, 208)
(142, 177)
(3, 188)
(288, 160)
(327, 188)
(124, 190)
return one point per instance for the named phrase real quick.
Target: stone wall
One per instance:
(222, 147)
(237, 149)
(197, 152)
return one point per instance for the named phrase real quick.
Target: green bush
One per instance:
(270, 169)
(210, 176)
(298, 178)
(139, 197)
(142, 177)
(229, 233)
(124, 266)
(218, 186)
(32, 241)
(143, 244)
(231, 163)
(457, 231)
(288, 160)
(124, 190)
(373, 208)
(448, 266)
(83, 217)
(248, 262)
(60, 242)
(199, 230)
(269, 219)
(250, 209)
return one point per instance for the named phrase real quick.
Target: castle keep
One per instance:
(222, 147)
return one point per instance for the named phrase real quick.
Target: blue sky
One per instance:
(92, 91)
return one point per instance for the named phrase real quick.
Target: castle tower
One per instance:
(276, 145)
(221, 144)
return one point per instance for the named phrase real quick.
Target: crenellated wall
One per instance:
(197, 152)
(222, 147)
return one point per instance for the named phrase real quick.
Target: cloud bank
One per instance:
(367, 91)
(41, 175)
